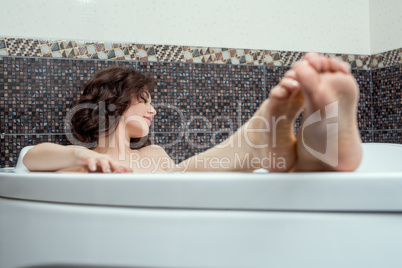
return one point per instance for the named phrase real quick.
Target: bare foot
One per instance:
(329, 137)
(274, 120)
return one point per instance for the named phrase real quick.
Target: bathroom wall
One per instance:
(289, 25)
(385, 25)
(46, 59)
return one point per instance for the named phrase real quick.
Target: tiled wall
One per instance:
(41, 79)
(387, 111)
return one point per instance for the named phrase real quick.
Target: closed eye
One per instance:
(145, 97)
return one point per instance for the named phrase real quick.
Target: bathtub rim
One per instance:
(321, 191)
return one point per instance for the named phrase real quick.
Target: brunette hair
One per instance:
(110, 92)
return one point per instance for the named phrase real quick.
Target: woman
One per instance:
(116, 107)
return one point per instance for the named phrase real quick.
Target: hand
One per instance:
(94, 162)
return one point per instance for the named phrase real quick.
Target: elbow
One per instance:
(26, 160)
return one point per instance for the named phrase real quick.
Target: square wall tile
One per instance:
(38, 92)
(387, 98)
(366, 136)
(365, 105)
(387, 136)
(203, 96)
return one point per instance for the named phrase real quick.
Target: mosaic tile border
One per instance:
(86, 50)
(357, 62)
(20, 47)
(386, 59)
(175, 53)
(192, 54)
(400, 55)
(66, 49)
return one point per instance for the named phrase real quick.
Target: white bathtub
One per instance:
(337, 220)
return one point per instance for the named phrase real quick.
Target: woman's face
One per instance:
(138, 118)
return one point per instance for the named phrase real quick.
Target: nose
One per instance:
(152, 111)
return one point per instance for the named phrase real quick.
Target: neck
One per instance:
(116, 145)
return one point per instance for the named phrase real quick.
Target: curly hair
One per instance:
(106, 96)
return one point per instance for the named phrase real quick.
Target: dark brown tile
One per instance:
(198, 96)
(366, 136)
(37, 92)
(388, 98)
(387, 136)
(365, 105)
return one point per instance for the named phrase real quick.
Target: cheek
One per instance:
(138, 109)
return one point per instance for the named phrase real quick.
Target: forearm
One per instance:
(51, 157)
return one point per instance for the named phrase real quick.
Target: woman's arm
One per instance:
(54, 157)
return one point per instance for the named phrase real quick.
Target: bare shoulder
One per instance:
(155, 154)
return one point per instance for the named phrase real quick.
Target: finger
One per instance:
(127, 169)
(104, 164)
(91, 162)
(117, 167)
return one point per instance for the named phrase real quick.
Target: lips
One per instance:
(149, 118)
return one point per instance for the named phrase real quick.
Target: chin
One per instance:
(138, 130)
(139, 135)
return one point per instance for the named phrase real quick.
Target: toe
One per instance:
(311, 56)
(279, 92)
(307, 77)
(336, 65)
(291, 74)
(319, 62)
(289, 83)
(285, 88)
